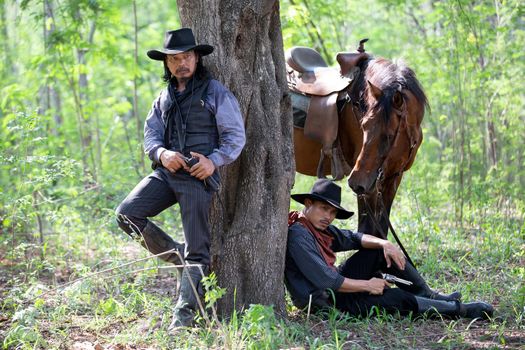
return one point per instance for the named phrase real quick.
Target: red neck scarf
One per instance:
(322, 238)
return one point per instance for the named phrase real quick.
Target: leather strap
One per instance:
(322, 120)
(380, 229)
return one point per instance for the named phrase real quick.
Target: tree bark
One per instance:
(7, 66)
(249, 218)
(86, 120)
(138, 120)
(52, 98)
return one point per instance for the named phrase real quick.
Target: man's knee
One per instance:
(129, 224)
(370, 254)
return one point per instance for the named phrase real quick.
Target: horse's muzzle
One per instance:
(361, 183)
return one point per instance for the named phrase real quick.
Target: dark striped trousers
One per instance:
(159, 191)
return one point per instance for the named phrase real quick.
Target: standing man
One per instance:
(194, 126)
(356, 285)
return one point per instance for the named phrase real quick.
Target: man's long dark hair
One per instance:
(201, 72)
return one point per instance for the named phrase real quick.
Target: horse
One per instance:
(379, 117)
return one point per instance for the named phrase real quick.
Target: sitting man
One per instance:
(357, 287)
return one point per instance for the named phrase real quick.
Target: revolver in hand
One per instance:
(393, 279)
(191, 161)
(210, 181)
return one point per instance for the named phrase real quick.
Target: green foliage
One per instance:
(212, 290)
(70, 150)
(261, 327)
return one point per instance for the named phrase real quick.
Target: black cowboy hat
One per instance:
(326, 191)
(177, 41)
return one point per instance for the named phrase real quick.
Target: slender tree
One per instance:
(138, 120)
(249, 221)
(7, 66)
(51, 98)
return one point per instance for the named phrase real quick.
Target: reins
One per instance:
(378, 226)
(413, 143)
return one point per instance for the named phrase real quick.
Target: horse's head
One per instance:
(395, 105)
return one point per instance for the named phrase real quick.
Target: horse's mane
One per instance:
(389, 77)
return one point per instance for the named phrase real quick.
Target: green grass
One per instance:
(130, 307)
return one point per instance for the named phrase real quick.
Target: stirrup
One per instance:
(336, 165)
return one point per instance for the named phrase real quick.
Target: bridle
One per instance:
(403, 115)
(380, 179)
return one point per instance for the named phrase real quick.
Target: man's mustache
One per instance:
(182, 70)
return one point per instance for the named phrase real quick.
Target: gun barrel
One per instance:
(392, 278)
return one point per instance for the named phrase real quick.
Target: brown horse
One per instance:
(379, 133)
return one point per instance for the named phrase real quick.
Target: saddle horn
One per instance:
(361, 47)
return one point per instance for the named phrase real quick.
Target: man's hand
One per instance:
(173, 161)
(203, 169)
(393, 253)
(376, 286)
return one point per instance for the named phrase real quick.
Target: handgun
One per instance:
(212, 183)
(191, 161)
(393, 279)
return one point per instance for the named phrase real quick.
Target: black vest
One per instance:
(200, 124)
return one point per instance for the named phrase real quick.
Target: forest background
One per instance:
(76, 86)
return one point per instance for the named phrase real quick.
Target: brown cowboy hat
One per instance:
(177, 41)
(326, 191)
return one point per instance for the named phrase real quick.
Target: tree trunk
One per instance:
(7, 67)
(87, 138)
(461, 117)
(138, 120)
(249, 219)
(52, 98)
(491, 136)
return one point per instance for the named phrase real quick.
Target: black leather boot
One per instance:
(438, 307)
(478, 309)
(454, 308)
(187, 303)
(419, 286)
(157, 241)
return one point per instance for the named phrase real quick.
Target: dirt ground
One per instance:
(427, 335)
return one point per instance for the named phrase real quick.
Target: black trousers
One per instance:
(364, 265)
(159, 191)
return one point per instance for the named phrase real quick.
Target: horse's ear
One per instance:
(397, 100)
(376, 92)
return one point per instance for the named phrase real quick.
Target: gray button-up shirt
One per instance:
(220, 102)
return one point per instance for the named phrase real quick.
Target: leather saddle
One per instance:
(309, 75)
